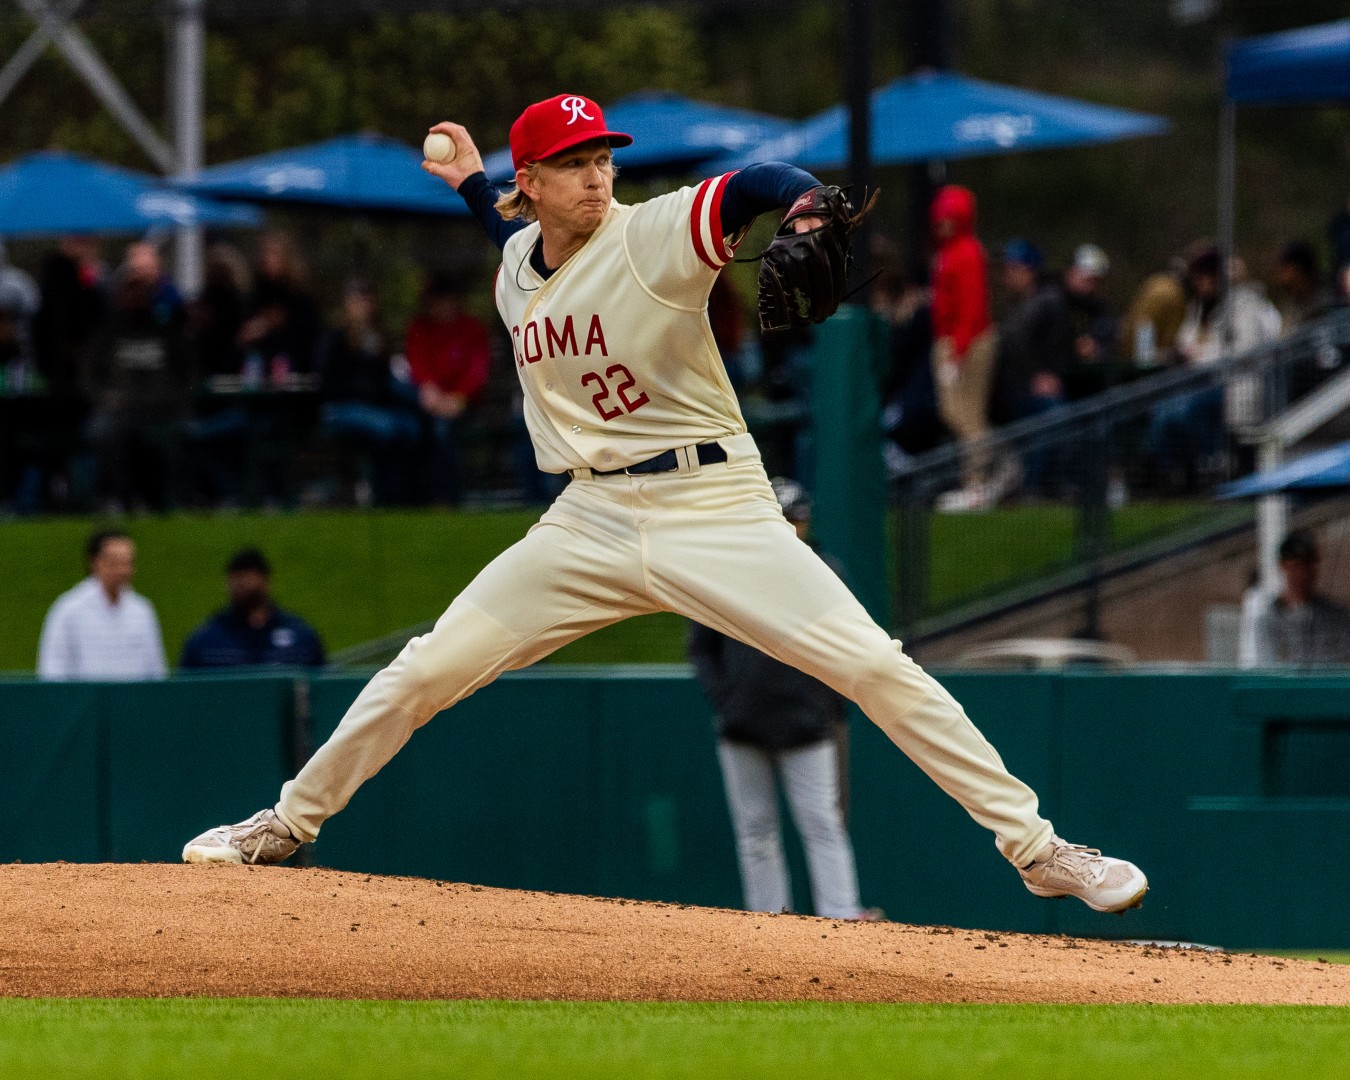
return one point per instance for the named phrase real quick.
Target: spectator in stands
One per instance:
(139, 384)
(217, 432)
(361, 401)
(1094, 329)
(282, 330)
(20, 299)
(102, 629)
(1035, 352)
(216, 316)
(277, 341)
(73, 304)
(252, 631)
(776, 724)
(909, 399)
(1301, 625)
(965, 342)
(21, 472)
(1148, 332)
(1035, 338)
(1185, 433)
(1301, 291)
(448, 351)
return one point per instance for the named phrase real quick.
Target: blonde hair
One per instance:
(515, 203)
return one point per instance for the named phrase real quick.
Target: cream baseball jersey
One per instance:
(613, 368)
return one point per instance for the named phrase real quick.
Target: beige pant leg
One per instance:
(742, 570)
(963, 396)
(577, 570)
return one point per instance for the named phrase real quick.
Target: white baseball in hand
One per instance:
(438, 147)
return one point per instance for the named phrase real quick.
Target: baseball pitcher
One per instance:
(668, 508)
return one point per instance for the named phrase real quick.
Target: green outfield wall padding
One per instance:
(50, 773)
(125, 772)
(607, 787)
(1228, 788)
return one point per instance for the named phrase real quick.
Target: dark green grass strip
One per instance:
(360, 575)
(283, 1039)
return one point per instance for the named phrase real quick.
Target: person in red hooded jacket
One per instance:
(965, 343)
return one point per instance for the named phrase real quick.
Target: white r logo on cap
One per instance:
(577, 107)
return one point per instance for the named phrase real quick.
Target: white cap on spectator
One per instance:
(1090, 259)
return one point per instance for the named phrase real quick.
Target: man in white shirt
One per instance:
(102, 629)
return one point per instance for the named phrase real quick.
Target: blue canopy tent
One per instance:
(1308, 66)
(1325, 470)
(941, 116)
(356, 172)
(671, 135)
(52, 192)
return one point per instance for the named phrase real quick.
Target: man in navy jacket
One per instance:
(252, 631)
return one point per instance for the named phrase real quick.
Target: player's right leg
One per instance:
(743, 572)
(577, 570)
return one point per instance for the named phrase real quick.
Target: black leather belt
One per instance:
(708, 454)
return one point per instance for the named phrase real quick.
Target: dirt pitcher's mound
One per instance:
(161, 930)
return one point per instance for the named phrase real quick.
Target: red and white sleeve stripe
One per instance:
(705, 223)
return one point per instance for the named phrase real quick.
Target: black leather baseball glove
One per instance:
(802, 275)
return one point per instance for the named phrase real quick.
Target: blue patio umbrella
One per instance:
(53, 192)
(355, 172)
(672, 134)
(1324, 470)
(941, 116)
(1310, 65)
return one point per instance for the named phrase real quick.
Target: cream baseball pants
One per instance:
(708, 542)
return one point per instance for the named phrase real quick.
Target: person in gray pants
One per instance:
(774, 724)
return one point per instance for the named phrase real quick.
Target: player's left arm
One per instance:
(758, 189)
(706, 223)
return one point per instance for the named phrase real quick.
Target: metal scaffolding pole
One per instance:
(85, 60)
(186, 94)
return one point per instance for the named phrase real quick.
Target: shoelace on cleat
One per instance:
(1084, 863)
(262, 826)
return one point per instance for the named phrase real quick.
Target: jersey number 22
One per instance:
(630, 402)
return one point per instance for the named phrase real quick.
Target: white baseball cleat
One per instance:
(260, 839)
(1102, 883)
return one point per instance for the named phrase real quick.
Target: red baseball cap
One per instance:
(560, 123)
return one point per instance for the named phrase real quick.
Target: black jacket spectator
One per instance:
(1035, 337)
(73, 304)
(217, 314)
(758, 699)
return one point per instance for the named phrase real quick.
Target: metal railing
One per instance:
(1089, 489)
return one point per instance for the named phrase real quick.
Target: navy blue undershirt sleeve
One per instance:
(481, 198)
(757, 189)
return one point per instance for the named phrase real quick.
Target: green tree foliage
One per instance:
(279, 82)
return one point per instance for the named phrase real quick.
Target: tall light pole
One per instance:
(186, 98)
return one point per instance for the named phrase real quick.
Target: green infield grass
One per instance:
(360, 575)
(280, 1039)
